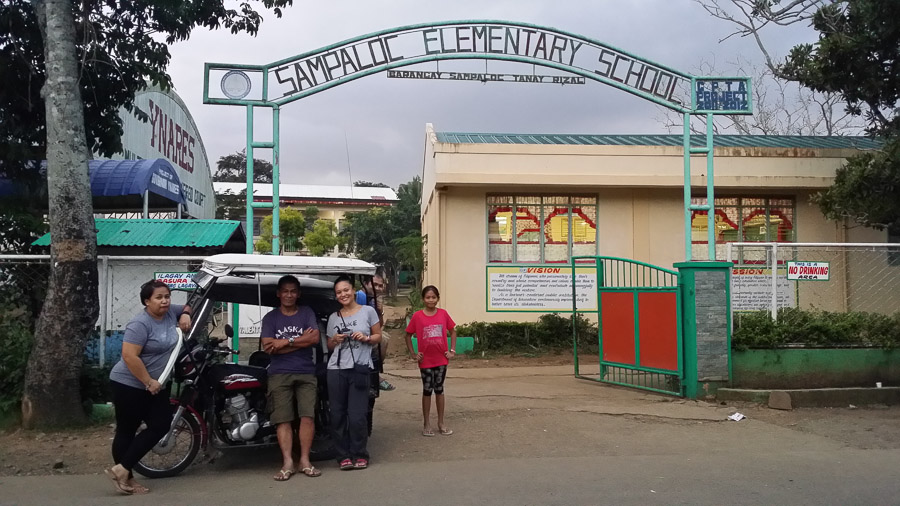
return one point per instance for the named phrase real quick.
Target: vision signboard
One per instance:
(542, 289)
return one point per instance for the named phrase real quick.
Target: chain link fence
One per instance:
(24, 280)
(833, 277)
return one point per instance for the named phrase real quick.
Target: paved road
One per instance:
(543, 439)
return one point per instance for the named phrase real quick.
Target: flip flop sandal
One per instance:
(361, 464)
(121, 486)
(346, 465)
(311, 471)
(428, 433)
(284, 475)
(446, 432)
(139, 489)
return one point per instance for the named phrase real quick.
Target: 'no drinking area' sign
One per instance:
(808, 271)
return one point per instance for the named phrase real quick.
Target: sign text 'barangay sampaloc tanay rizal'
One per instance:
(318, 69)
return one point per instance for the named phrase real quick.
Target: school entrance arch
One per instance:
(281, 82)
(645, 352)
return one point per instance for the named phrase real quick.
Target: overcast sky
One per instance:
(380, 122)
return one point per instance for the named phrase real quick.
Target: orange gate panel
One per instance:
(658, 330)
(617, 310)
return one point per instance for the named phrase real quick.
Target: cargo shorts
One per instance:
(291, 396)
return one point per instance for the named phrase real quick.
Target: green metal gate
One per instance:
(638, 308)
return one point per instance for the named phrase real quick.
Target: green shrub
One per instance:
(415, 302)
(15, 346)
(550, 332)
(16, 339)
(94, 386)
(815, 328)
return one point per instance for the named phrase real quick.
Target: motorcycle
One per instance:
(222, 405)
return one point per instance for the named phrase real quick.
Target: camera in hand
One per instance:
(345, 331)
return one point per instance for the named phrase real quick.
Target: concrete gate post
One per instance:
(706, 325)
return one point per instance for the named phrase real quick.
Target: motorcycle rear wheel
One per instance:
(179, 452)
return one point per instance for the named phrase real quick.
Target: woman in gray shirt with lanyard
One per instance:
(138, 397)
(352, 332)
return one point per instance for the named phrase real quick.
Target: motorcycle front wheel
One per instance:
(164, 461)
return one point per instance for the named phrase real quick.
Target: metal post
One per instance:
(687, 187)
(710, 193)
(774, 281)
(574, 317)
(236, 325)
(146, 213)
(249, 179)
(104, 315)
(276, 182)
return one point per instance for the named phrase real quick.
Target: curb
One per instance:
(817, 397)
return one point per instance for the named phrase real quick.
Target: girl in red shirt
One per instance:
(430, 325)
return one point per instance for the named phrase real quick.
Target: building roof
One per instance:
(162, 233)
(113, 178)
(313, 192)
(121, 184)
(222, 265)
(756, 141)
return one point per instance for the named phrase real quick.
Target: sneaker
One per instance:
(384, 385)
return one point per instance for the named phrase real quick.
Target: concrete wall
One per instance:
(815, 368)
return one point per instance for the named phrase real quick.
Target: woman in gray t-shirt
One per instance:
(352, 332)
(138, 397)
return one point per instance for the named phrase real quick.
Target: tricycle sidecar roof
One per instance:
(236, 264)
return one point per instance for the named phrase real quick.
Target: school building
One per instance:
(333, 202)
(491, 201)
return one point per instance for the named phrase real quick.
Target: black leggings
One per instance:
(133, 407)
(433, 380)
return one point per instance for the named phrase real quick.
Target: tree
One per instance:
(84, 63)
(385, 235)
(231, 206)
(310, 217)
(750, 17)
(856, 55)
(370, 235)
(368, 184)
(321, 239)
(411, 253)
(291, 227)
(233, 169)
(855, 58)
(780, 107)
(52, 379)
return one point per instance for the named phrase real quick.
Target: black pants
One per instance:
(133, 407)
(348, 395)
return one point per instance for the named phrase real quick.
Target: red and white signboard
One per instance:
(808, 271)
(170, 133)
(177, 280)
